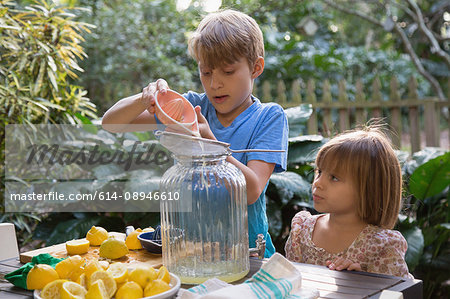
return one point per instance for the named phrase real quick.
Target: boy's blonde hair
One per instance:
(226, 36)
(367, 156)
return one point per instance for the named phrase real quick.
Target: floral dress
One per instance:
(376, 249)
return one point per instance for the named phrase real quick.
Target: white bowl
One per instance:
(174, 284)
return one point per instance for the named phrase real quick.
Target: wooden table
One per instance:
(330, 284)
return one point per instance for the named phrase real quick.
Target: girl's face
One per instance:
(334, 192)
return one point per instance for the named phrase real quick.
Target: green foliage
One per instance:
(40, 46)
(39, 51)
(431, 178)
(133, 44)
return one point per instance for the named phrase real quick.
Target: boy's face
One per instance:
(229, 87)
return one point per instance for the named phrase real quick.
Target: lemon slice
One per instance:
(130, 290)
(40, 275)
(97, 290)
(163, 274)
(119, 272)
(72, 290)
(77, 246)
(142, 275)
(53, 290)
(155, 287)
(108, 281)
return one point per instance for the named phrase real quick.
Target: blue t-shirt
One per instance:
(260, 126)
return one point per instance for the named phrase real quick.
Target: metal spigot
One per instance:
(260, 247)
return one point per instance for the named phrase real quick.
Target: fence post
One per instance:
(296, 96)
(326, 99)
(360, 98)
(311, 99)
(431, 122)
(266, 96)
(281, 93)
(344, 122)
(396, 120)
(413, 115)
(376, 97)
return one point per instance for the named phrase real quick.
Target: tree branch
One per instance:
(441, 53)
(406, 42)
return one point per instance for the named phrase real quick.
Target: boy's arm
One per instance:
(136, 109)
(256, 174)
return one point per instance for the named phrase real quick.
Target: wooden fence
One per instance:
(425, 111)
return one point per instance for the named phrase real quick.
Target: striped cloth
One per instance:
(278, 278)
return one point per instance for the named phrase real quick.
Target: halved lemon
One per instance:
(118, 271)
(72, 290)
(164, 275)
(130, 290)
(77, 246)
(155, 287)
(97, 290)
(53, 289)
(108, 281)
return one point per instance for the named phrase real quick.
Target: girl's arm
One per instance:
(136, 110)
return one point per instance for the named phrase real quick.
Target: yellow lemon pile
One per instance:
(73, 278)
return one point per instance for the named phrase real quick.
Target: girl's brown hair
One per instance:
(367, 156)
(226, 36)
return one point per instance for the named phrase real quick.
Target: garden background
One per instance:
(68, 61)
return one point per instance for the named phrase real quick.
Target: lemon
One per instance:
(40, 275)
(163, 274)
(70, 268)
(142, 275)
(82, 280)
(130, 290)
(155, 287)
(91, 267)
(77, 246)
(108, 281)
(113, 248)
(72, 290)
(118, 271)
(132, 241)
(96, 235)
(104, 264)
(97, 290)
(53, 289)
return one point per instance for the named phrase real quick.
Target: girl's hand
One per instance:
(148, 94)
(343, 264)
(203, 126)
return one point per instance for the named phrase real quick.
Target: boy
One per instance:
(229, 49)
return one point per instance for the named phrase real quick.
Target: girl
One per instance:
(357, 185)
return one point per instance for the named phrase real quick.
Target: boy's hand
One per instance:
(148, 94)
(203, 126)
(343, 264)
